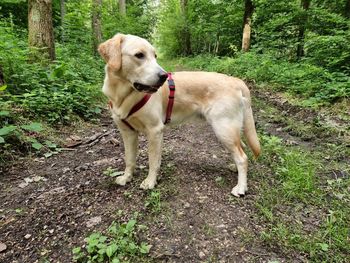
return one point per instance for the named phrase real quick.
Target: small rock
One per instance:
(187, 205)
(93, 221)
(65, 170)
(51, 231)
(201, 255)
(27, 236)
(3, 247)
(28, 180)
(22, 185)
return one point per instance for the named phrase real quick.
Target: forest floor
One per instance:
(50, 205)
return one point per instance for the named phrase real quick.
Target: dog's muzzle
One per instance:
(145, 88)
(162, 77)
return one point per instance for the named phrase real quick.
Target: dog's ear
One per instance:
(110, 51)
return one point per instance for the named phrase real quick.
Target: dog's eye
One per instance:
(140, 55)
(155, 55)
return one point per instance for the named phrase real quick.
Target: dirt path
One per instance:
(198, 222)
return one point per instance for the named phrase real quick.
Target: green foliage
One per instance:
(119, 244)
(214, 27)
(298, 192)
(139, 20)
(53, 92)
(112, 172)
(153, 201)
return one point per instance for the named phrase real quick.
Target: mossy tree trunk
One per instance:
(63, 14)
(305, 5)
(247, 24)
(347, 9)
(122, 7)
(186, 35)
(2, 80)
(96, 24)
(40, 30)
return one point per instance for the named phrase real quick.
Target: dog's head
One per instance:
(133, 59)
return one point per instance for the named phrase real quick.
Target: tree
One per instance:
(63, 13)
(347, 9)
(186, 35)
(247, 21)
(96, 13)
(305, 4)
(122, 7)
(2, 80)
(40, 30)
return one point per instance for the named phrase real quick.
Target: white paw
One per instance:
(122, 180)
(148, 184)
(239, 190)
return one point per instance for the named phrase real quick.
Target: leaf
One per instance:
(324, 246)
(37, 145)
(4, 113)
(2, 140)
(76, 250)
(115, 260)
(50, 144)
(111, 249)
(116, 173)
(130, 225)
(34, 126)
(3, 87)
(7, 130)
(144, 249)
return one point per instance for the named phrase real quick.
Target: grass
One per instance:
(300, 213)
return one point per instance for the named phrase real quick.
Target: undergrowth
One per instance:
(56, 94)
(118, 245)
(301, 210)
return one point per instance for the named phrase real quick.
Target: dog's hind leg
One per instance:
(155, 142)
(228, 132)
(130, 139)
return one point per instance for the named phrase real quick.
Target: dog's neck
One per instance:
(120, 91)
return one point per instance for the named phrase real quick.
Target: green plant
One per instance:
(153, 201)
(112, 172)
(118, 244)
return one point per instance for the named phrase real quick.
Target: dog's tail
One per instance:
(249, 125)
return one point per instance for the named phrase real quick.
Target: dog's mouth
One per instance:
(145, 88)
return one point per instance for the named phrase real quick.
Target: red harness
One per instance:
(144, 100)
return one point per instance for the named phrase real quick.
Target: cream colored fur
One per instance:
(221, 100)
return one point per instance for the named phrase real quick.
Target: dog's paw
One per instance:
(122, 180)
(239, 190)
(148, 184)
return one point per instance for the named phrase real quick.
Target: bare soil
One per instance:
(199, 221)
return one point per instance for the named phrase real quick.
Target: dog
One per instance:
(132, 71)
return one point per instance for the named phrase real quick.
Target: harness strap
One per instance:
(144, 100)
(169, 109)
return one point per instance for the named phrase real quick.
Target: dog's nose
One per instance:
(162, 77)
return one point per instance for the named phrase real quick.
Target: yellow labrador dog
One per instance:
(223, 101)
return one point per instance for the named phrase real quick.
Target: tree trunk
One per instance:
(347, 9)
(2, 80)
(96, 24)
(305, 5)
(186, 35)
(122, 7)
(40, 30)
(63, 14)
(247, 22)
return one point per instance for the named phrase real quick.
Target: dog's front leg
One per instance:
(155, 142)
(130, 139)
